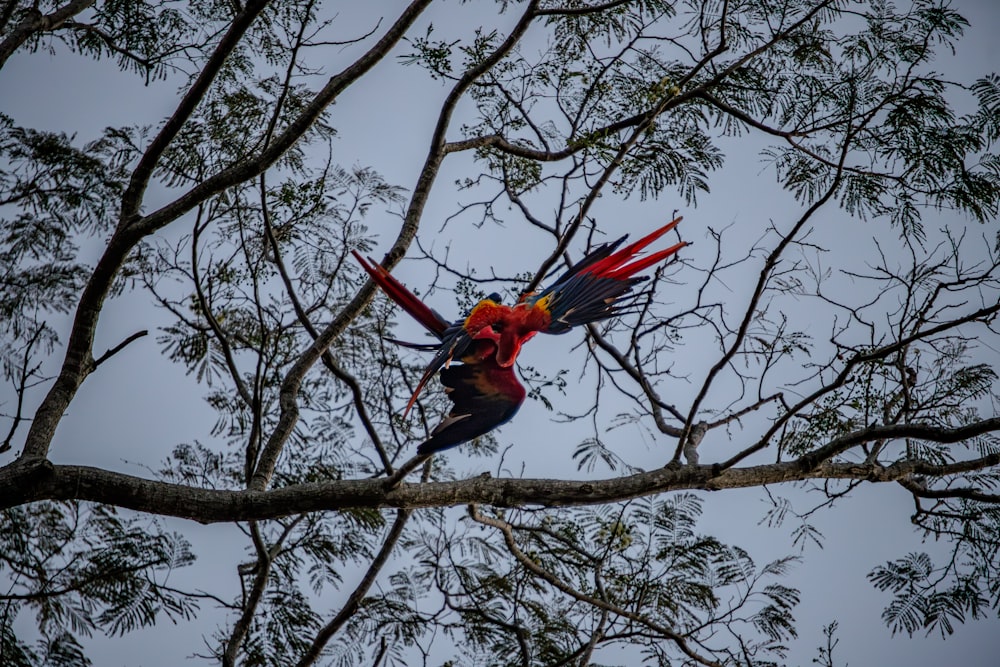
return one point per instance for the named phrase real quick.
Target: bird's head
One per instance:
(509, 327)
(516, 327)
(479, 323)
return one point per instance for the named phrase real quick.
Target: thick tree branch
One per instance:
(285, 139)
(132, 199)
(35, 22)
(29, 481)
(502, 144)
(966, 492)
(78, 361)
(582, 10)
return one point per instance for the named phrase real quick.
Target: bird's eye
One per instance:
(497, 327)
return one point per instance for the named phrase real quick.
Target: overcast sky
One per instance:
(145, 394)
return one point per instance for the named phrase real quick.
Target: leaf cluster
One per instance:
(84, 569)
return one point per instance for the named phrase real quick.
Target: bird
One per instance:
(485, 394)
(483, 385)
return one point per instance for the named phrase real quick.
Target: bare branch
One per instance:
(26, 371)
(357, 595)
(119, 347)
(36, 22)
(534, 568)
(881, 352)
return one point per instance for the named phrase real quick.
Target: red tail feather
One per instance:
(627, 271)
(613, 263)
(406, 299)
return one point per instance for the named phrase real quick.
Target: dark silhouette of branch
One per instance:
(26, 371)
(119, 347)
(131, 229)
(538, 571)
(762, 282)
(35, 22)
(357, 595)
(22, 482)
(881, 352)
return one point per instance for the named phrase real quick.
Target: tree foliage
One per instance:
(836, 335)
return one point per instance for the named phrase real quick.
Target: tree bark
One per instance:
(29, 481)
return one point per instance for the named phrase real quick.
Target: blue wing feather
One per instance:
(484, 396)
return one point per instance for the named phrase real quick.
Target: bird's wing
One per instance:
(592, 289)
(484, 396)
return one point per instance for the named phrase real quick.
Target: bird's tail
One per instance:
(406, 299)
(618, 265)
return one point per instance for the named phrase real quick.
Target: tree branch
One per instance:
(132, 199)
(762, 282)
(538, 571)
(35, 22)
(358, 594)
(119, 347)
(852, 363)
(32, 480)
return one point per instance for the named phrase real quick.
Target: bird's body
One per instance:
(483, 385)
(485, 395)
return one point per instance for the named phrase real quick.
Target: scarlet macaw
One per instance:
(485, 394)
(484, 388)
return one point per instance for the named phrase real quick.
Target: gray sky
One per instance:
(74, 94)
